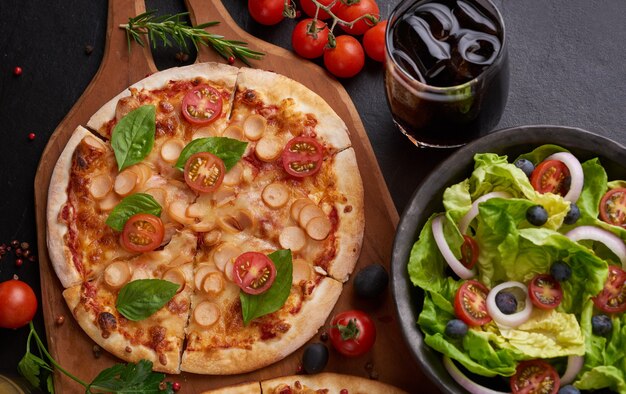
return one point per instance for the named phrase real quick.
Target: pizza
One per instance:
(322, 383)
(205, 219)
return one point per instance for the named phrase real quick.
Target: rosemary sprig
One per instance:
(174, 29)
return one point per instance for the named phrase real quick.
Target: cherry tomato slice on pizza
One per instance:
(613, 207)
(470, 303)
(612, 298)
(202, 105)
(545, 292)
(551, 176)
(352, 333)
(469, 252)
(254, 272)
(204, 172)
(302, 157)
(535, 377)
(142, 232)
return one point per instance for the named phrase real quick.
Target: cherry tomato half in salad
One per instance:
(18, 303)
(535, 377)
(551, 176)
(307, 43)
(254, 272)
(302, 157)
(469, 252)
(613, 207)
(470, 303)
(142, 233)
(612, 298)
(202, 105)
(352, 333)
(545, 292)
(204, 172)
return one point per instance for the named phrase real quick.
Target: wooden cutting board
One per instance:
(389, 360)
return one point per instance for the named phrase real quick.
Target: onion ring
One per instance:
(458, 267)
(473, 212)
(515, 319)
(575, 172)
(574, 365)
(610, 240)
(465, 382)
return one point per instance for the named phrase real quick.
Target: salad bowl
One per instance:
(427, 199)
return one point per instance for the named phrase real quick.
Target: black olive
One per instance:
(371, 281)
(315, 358)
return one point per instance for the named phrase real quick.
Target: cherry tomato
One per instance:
(374, 42)
(612, 298)
(550, 176)
(535, 377)
(545, 292)
(352, 333)
(613, 207)
(469, 252)
(309, 44)
(202, 105)
(352, 12)
(142, 232)
(346, 59)
(309, 8)
(18, 303)
(254, 272)
(470, 303)
(266, 12)
(302, 157)
(204, 172)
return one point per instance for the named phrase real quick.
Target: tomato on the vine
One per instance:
(470, 303)
(266, 12)
(613, 207)
(254, 272)
(309, 44)
(352, 333)
(535, 376)
(352, 12)
(18, 303)
(346, 59)
(612, 298)
(309, 8)
(142, 233)
(374, 42)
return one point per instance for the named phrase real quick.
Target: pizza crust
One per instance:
(306, 323)
(351, 215)
(333, 382)
(213, 71)
(243, 388)
(274, 87)
(60, 256)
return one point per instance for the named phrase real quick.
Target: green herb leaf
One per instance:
(130, 378)
(132, 205)
(30, 368)
(133, 136)
(253, 306)
(141, 298)
(228, 149)
(50, 384)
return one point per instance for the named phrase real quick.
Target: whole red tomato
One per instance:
(266, 12)
(352, 333)
(374, 42)
(346, 59)
(309, 8)
(352, 12)
(18, 304)
(309, 44)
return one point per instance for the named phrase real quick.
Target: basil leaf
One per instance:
(228, 149)
(253, 306)
(131, 205)
(133, 136)
(141, 298)
(130, 378)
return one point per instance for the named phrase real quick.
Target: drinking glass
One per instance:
(446, 70)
